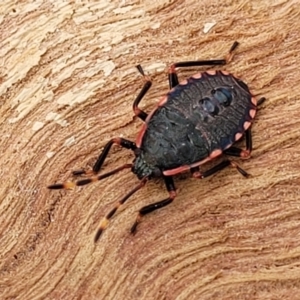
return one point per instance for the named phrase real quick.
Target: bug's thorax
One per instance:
(142, 168)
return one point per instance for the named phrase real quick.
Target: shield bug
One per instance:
(198, 120)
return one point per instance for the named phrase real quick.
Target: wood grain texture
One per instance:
(67, 82)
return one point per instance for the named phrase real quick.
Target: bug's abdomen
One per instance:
(207, 112)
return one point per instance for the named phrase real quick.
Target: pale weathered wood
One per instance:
(67, 82)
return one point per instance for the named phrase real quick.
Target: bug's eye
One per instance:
(208, 106)
(223, 95)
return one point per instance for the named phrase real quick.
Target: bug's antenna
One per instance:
(69, 185)
(105, 220)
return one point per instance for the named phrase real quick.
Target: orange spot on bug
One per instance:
(162, 101)
(183, 82)
(225, 72)
(197, 76)
(254, 101)
(139, 138)
(252, 113)
(238, 136)
(247, 125)
(171, 90)
(211, 72)
(215, 153)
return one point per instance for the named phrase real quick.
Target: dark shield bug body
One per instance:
(197, 121)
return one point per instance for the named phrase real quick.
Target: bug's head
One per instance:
(142, 168)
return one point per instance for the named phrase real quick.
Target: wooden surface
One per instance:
(67, 82)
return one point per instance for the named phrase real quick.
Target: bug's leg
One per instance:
(137, 111)
(97, 166)
(104, 222)
(222, 165)
(151, 207)
(261, 101)
(173, 78)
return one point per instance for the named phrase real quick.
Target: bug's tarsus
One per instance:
(98, 235)
(241, 171)
(197, 174)
(105, 220)
(261, 101)
(65, 185)
(83, 172)
(56, 186)
(234, 46)
(157, 205)
(230, 54)
(140, 69)
(137, 111)
(222, 165)
(79, 172)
